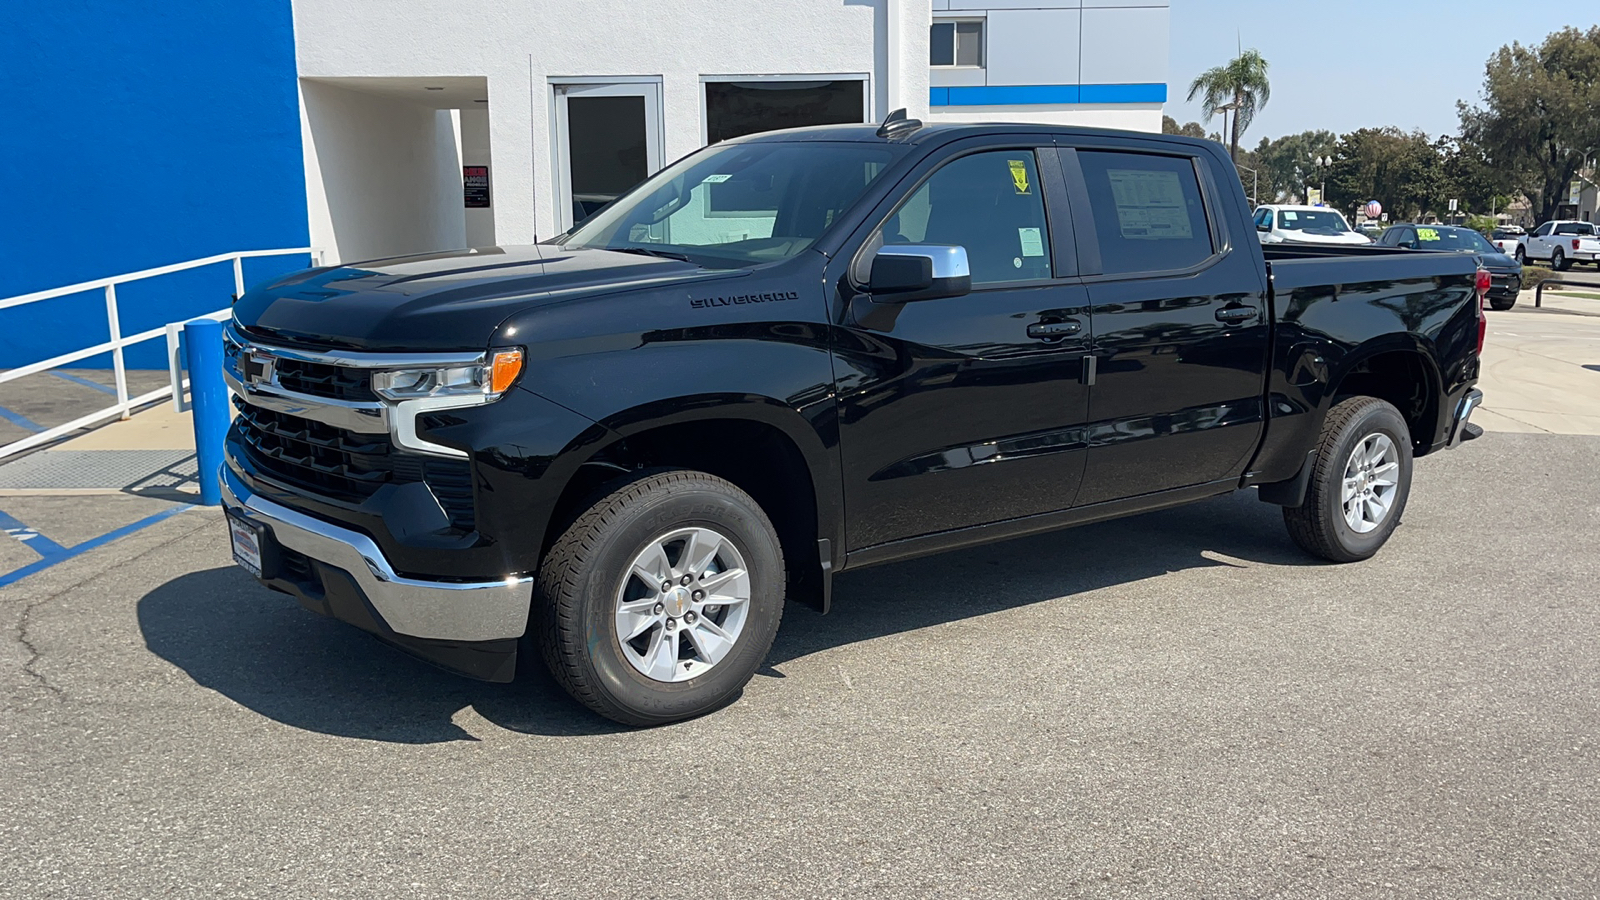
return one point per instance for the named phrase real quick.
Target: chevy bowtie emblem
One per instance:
(257, 368)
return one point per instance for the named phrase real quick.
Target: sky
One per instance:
(1357, 64)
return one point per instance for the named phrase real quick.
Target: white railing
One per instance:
(125, 404)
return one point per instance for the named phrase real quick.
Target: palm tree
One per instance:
(1240, 87)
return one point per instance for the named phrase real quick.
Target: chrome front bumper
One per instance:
(434, 610)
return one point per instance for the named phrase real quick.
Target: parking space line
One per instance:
(29, 537)
(85, 382)
(67, 553)
(20, 420)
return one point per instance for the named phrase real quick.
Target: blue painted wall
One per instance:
(137, 135)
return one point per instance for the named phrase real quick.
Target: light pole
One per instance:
(1320, 165)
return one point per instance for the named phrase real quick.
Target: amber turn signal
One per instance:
(504, 370)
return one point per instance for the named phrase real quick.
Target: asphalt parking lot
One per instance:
(1173, 705)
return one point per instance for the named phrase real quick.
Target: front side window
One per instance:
(1148, 211)
(735, 205)
(991, 204)
(1543, 230)
(956, 42)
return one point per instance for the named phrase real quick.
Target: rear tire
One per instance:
(1502, 305)
(1360, 481)
(651, 558)
(1558, 260)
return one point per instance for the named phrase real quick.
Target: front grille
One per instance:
(323, 380)
(347, 465)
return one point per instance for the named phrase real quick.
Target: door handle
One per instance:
(1234, 315)
(1054, 331)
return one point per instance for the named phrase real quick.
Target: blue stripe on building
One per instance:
(1046, 94)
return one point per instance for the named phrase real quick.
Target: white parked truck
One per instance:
(1305, 225)
(1560, 243)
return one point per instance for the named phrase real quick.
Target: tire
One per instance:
(1520, 256)
(1502, 305)
(1558, 260)
(1321, 525)
(589, 574)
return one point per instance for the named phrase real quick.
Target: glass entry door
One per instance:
(608, 137)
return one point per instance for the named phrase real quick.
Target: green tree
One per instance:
(1169, 125)
(1540, 115)
(1286, 162)
(1403, 171)
(1240, 87)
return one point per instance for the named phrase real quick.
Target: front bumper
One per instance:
(468, 627)
(1504, 285)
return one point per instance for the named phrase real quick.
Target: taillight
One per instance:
(1574, 243)
(1482, 285)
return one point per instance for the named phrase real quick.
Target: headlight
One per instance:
(486, 382)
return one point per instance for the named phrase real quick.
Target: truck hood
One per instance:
(442, 301)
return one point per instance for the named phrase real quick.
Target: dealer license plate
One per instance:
(246, 544)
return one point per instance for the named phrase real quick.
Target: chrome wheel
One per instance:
(1371, 482)
(683, 604)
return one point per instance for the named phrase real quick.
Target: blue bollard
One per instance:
(209, 394)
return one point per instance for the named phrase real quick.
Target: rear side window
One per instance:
(1575, 228)
(1148, 213)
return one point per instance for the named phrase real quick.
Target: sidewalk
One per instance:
(1565, 301)
(151, 454)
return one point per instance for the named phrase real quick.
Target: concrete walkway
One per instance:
(1541, 367)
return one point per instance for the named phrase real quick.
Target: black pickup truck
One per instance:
(803, 352)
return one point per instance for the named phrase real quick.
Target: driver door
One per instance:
(961, 411)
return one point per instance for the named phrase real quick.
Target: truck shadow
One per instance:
(903, 597)
(264, 652)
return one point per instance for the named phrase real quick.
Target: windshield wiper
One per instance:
(649, 251)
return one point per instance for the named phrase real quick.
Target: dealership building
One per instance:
(148, 134)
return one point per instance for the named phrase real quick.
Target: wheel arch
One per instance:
(764, 446)
(1402, 370)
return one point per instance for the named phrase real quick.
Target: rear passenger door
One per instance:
(1180, 319)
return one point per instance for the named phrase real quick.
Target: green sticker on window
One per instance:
(1427, 234)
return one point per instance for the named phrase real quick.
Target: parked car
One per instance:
(1305, 225)
(1371, 229)
(627, 447)
(1506, 237)
(1505, 272)
(1560, 243)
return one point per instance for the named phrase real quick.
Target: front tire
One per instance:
(1360, 481)
(1502, 305)
(1521, 257)
(662, 599)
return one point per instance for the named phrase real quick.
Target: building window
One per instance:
(956, 42)
(737, 108)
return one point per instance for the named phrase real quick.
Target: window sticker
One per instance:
(1032, 241)
(717, 179)
(1290, 215)
(1019, 175)
(1427, 234)
(1150, 205)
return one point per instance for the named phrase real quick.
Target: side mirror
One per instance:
(1262, 226)
(902, 273)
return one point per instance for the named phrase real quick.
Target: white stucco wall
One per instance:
(383, 177)
(519, 46)
(1126, 116)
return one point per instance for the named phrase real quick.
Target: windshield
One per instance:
(735, 205)
(1461, 240)
(1316, 221)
